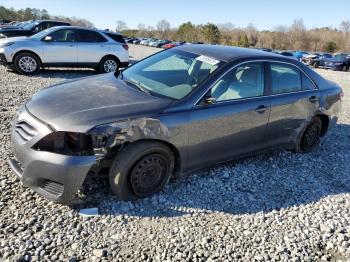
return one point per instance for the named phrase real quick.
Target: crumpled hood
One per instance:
(81, 104)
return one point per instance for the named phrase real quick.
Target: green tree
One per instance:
(330, 47)
(187, 32)
(243, 41)
(211, 33)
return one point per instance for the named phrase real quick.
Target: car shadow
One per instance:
(270, 181)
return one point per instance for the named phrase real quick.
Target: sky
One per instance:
(264, 14)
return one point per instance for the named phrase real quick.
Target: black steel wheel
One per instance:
(141, 169)
(148, 173)
(310, 137)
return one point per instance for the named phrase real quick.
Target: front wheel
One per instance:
(26, 63)
(310, 136)
(345, 68)
(316, 65)
(109, 64)
(140, 170)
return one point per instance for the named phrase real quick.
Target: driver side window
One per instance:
(65, 35)
(244, 81)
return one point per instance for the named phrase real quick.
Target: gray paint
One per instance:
(106, 107)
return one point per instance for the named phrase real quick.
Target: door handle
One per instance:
(313, 99)
(261, 109)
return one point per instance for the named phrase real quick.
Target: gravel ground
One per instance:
(276, 206)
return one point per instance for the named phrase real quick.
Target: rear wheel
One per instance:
(345, 68)
(310, 136)
(26, 63)
(109, 64)
(140, 170)
(316, 64)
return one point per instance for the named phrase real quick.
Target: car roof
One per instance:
(224, 53)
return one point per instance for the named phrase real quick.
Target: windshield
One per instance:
(172, 73)
(29, 26)
(42, 33)
(340, 58)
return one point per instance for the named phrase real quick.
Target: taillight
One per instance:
(126, 47)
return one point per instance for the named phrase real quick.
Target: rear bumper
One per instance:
(57, 177)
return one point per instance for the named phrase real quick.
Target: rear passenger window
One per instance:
(117, 38)
(307, 83)
(90, 37)
(285, 78)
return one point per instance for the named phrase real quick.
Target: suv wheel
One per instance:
(345, 68)
(316, 64)
(27, 63)
(109, 64)
(140, 170)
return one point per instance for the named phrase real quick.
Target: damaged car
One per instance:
(174, 112)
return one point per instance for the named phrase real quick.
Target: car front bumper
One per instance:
(57, 177)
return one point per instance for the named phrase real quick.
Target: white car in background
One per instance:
(65, 46)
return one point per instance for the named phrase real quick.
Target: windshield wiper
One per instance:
(138, 85)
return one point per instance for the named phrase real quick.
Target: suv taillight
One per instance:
(126, 47)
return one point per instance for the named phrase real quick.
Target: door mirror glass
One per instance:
(47, 38)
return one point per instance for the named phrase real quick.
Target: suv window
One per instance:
(285, 78)
(64, 35)
(244, 81)
(117, 38)
(88, 36)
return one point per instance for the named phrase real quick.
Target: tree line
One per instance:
(34, 13)
(293, 37)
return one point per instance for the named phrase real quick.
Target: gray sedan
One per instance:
(174, 112)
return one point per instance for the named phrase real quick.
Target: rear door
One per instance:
(294, 100)
(62, 48)
(91, 46)
(235, 122)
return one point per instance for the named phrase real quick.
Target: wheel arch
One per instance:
(110, 55)
(325, 123)
(27, 51)
(177, 155)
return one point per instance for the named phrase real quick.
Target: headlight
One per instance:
(6, 44)
(66, 143)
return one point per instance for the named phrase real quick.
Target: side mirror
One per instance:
(208, 101)
(35, 29)
(47, 38)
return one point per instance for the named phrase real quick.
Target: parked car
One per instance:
(338, 62)
(315, 59)
(299, 54)
(185, 108)
(264, 49)
(137, 41)
(30, 28)
(172, 44)
(285, 53)
(4, 21)
(65, 46)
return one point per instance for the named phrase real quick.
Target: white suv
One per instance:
(65, 46)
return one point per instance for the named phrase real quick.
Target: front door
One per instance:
(62, 47)
(231, 119)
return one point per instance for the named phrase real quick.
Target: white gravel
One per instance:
(276, 206)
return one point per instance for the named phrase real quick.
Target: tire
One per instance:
(151, 160)
(310, 137)
(109, 64)
(345, 68)
(316, 65)
(27, 63)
